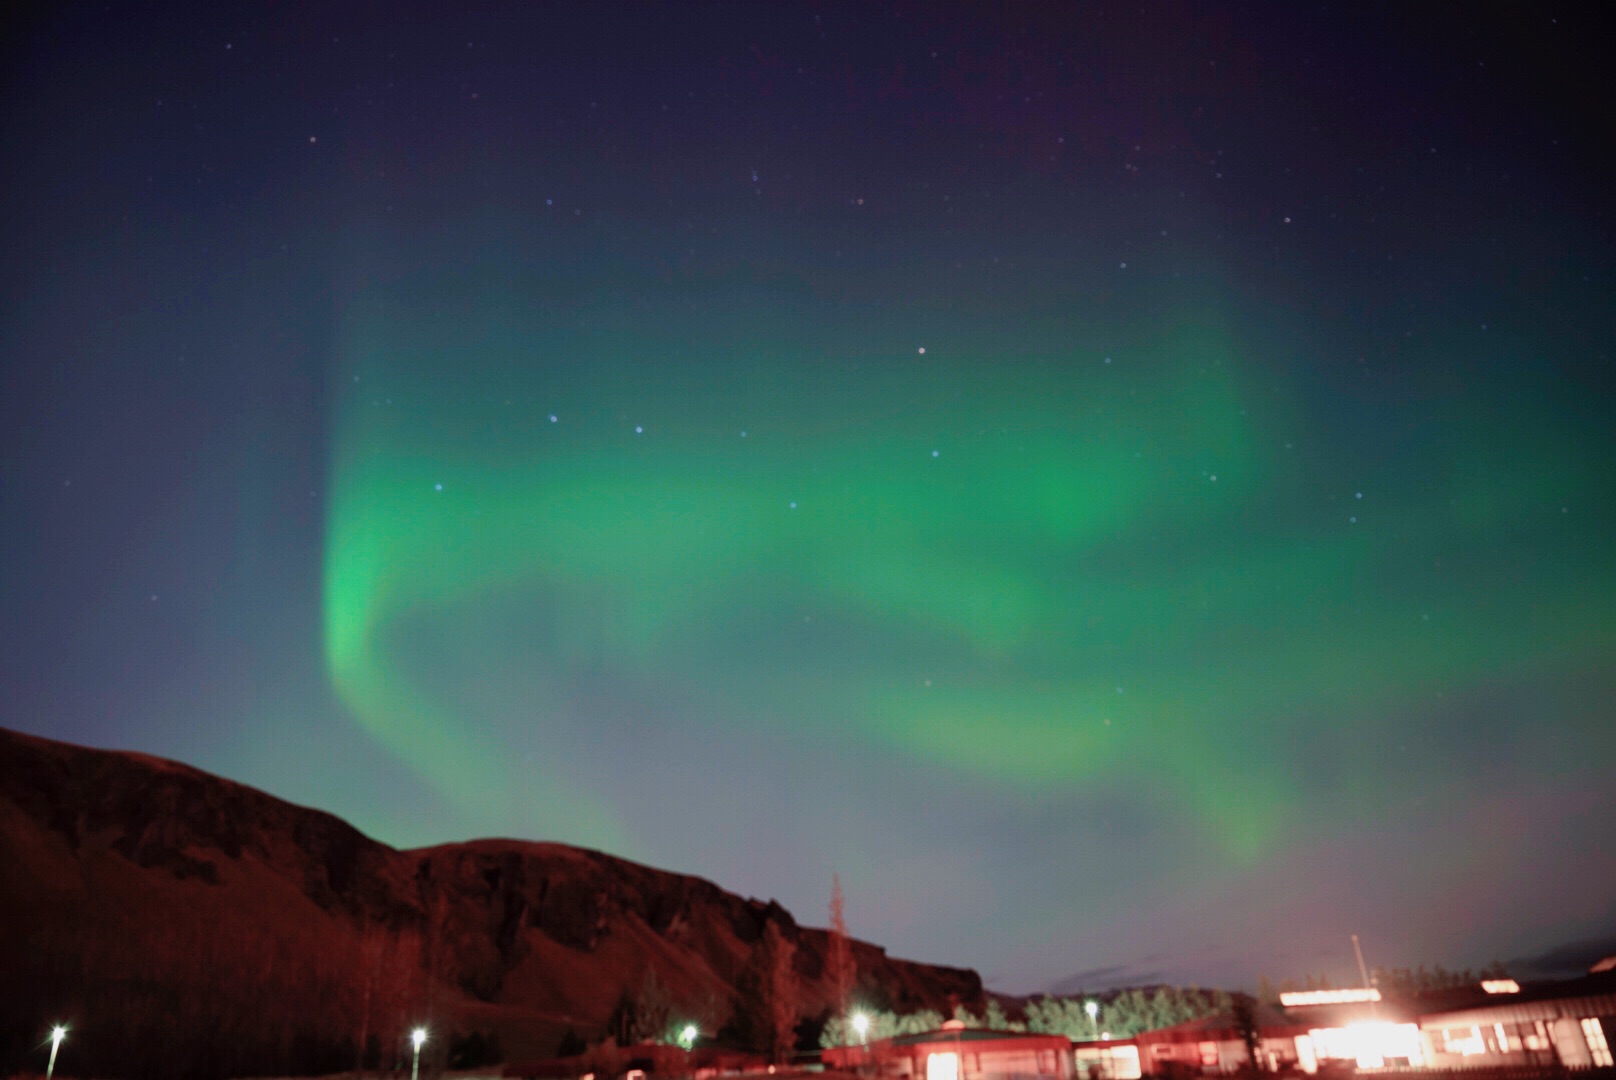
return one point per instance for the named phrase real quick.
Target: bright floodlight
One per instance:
(417, 1037)
(58, 1033)
(687, 1036)
(861, 1024)
(1092, 1008)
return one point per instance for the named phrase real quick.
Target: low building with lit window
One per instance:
(956, 1052)
(1215, 1045)
(1570, 1024)
(1357, 1026)
(1107, 1059)
(1494, 1024)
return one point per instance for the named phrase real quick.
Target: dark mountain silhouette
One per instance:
(190, 926)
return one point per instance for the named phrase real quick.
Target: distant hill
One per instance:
(190, 926)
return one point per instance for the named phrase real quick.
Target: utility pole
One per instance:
(1363, 973)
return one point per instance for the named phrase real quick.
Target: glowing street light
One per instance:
(861, 1024)
(417, 1037)
(687, 1036)
(1093, 1009)
(58, 1033)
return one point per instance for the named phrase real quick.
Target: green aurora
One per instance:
(943, 536)
(1232, 572)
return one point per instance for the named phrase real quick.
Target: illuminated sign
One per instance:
(1327, 997)
(1501, 986)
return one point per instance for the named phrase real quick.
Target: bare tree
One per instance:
(780, 994)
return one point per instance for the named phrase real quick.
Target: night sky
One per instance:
(1130, 489)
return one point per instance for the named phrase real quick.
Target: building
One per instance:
(1107, 1059)
(1570, 1024)
(1497, 1023)
(1357, 1027)
(1217, 1045)
(640, 1061)
(955, 1052)
(1500, 1023)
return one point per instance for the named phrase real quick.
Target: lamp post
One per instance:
(861, 1025)
(687, 1036)
(417, 1037)
(1093, 1009)
(58, 1033)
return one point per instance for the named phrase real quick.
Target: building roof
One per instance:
(1395, 1010)
(1105, 1044)
(1271, 1020)
(1588, 995)
(979, 1039)
(975, 1035)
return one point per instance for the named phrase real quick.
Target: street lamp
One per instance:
(417, 1037)
(861, 1024)
(687, 1036)
(58, 1033)
(1093, 1009)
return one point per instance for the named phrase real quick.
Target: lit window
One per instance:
(1598, 1048)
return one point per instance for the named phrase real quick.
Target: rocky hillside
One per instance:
(189, 925)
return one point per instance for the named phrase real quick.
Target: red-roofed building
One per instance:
(644, 1059)
(1215, 1045)
(955, 1052)
(1107, 1059)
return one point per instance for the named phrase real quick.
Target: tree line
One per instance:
(1119, 1014)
